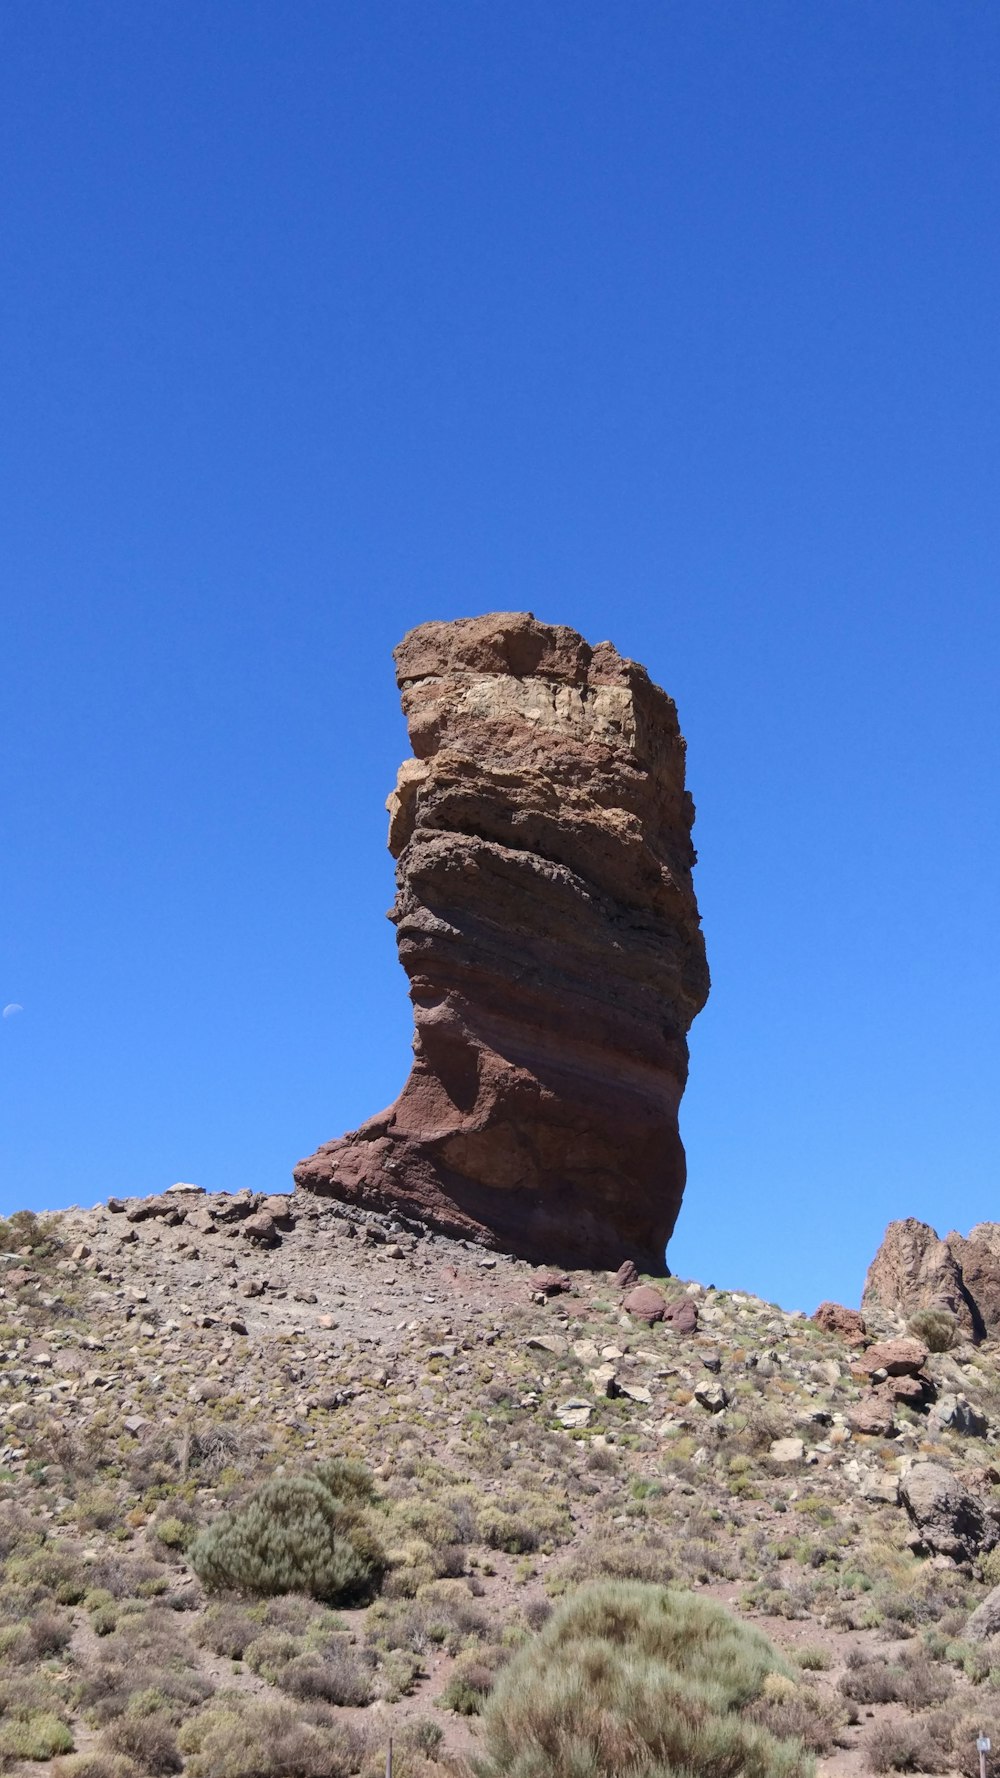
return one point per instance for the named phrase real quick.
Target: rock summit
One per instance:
(546, 919)
(915, 1268)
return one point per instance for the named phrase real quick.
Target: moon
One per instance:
(11, 1009)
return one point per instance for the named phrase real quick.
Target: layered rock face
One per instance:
(546, 919)
(915, 1269)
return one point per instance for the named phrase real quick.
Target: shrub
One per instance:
(937, 1328)
(813, 1659)
(902, 1747)
(338, 1675)
(149, 1740)
(237, 1737)
(646, 1558)
(346, 1479)
(93, 1765)
(40, 1734)
(271, 1652)
(914, 1682)
(627, 1676)
(798, 1712)
(293, 1536)
(227, 1630)
(471, 1680)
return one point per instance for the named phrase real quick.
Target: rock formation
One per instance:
(915, 1269)
(546, 919)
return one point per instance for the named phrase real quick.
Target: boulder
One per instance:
(574, 1413)
(955, 1413)
(261, 1230)
(984, 1623)
(682, 1316)
(546, 919)
(645, 1303)
(627, 1275)
(711, 1396)
(848, 1323)
(787, 1451)
(951, 1521)
(915, 1392)
(873, 1415)
(550, 1284)
(898, 1358)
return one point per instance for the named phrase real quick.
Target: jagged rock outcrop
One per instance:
(916, 1269)
(546, 920)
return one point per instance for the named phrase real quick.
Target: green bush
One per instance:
(292, 1536)
(40, 1735)
(627, 1676)
(471, 1680)
(238, 1737)
(937, 1328)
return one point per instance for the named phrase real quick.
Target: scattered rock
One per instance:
(682, 1316)
(626, 1275)
(206, 1389)
(787, 1451)
(873, 1415)
(955, 1413)
(574, 1413)
(551, 1284)
(261, 1230)
(711, 1396)
(552, 1343)
(914, 1391)
(984, 1623)
(848, 1323)
(604, 1380)
(897, 1358)
(950, 1520)
(645, 1303)
(635, 1391)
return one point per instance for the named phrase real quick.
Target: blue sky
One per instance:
(673, 322)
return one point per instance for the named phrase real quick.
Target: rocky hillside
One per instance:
(525, 1432)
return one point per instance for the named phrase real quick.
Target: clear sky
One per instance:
(673, 320)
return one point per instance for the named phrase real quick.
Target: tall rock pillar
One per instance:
(546, 919)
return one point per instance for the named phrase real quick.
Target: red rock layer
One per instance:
(546, 919)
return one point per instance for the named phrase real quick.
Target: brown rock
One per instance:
(873, 1415)
(951, 1521)
(261, 1230)
(233, 1206)
(914, 1391)
(551, 1284)
(279, 1206)
(645, 1303)
(682, 1316)
(627, 1275)
(898, 1358)
(546, 919)
(848, 1323)
(914, 1269)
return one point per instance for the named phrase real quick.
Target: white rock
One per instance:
(787, 1450)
